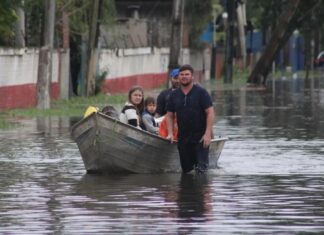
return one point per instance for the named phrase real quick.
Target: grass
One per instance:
(76, 106)
(4, 124)
(239, 79)
(5, 121)
(70, 108)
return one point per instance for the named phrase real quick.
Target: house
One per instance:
(140, 23)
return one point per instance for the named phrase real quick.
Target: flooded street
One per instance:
(270, 178)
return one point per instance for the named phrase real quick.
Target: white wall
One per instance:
(127, 62)
(19, 66)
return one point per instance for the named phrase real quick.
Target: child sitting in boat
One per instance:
(148, 115)
(110, 111)
(132, 111)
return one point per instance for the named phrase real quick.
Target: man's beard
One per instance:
(185, 84)
(175, 86)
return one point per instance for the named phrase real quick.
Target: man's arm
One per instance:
(169, 121)
(210, 116)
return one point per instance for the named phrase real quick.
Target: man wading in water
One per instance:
(195, 117)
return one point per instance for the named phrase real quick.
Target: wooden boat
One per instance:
(110, 146)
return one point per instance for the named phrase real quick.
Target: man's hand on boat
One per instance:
(206, 139)
(170, 138)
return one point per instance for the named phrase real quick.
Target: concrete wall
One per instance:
(146, 67)
(18, 77)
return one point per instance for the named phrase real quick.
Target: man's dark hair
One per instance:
(186, 67)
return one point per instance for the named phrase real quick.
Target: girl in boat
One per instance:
(133, 109)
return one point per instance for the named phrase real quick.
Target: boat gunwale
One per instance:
(83, 120)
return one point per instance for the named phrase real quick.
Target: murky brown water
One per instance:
(270, 181)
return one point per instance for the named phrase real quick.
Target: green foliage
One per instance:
(7, 19)
(197, 14)
(265, 14)
(4, 124)
(216, 7)
(78, 11)
(68, 108)
(34, 11)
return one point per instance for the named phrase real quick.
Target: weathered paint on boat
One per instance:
(109, 146)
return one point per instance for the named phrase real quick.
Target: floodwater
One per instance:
(270, 179)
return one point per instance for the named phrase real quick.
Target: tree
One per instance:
(7, 19)
(44, 77)
(198, 14)
(92, 48)
(20, 25)
(176, 29)
(292, 17)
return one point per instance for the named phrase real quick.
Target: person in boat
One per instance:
(163, 97)
(90, 110)
(193, 107)
(110, 111)
(132, 111)
(163, 128)
(148, 115)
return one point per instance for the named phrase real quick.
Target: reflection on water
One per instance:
(192, 197)
(270, 180)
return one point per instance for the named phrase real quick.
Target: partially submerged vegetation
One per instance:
(73, 107)
(76, 106)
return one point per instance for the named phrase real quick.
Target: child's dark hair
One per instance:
(149, 100)
(110, 111)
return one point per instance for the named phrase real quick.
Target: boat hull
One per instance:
(109, 146)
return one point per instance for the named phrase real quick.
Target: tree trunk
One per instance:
(92, 46)
(263, 66)
(229, 48)
(44, 77)
(241, 33)
(64, 58)
(290, 19)
(20, 26)
(308, 51)
(176, 29)
(65, 31)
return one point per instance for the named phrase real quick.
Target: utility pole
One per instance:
(44, 77)
(241, 23)
(64, 58)
(230, 7)
(213, 55)
(92, 47)
(176, 35)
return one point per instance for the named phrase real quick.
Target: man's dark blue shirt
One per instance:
(190, 111)
(162, 101)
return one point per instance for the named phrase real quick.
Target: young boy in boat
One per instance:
(133, 109)
(163, 129)
(148, 115)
